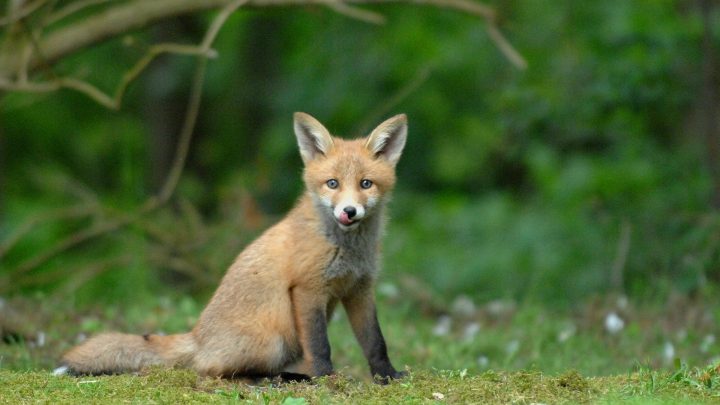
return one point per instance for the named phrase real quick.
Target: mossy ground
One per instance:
(182, 386)
(458, 353)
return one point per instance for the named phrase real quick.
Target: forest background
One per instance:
(581, 172)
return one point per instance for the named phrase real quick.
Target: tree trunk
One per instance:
(164, 107)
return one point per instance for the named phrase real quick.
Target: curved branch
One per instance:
(19, 14)
(171, 180)
(132, 15)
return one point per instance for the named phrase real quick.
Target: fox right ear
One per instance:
(388, 139)
(313, 138)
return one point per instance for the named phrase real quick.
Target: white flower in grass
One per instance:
(470, 331)
(622, 302)
(40, 339)
(463, 306)
(500, 308)
(442, 327)
(668, 352)
(438, 396)
(389, 290)
(566, 333)
(706, 343)
(613, 323)
(512, 347)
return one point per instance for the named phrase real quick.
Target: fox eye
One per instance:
(332, 183)
(365, 183)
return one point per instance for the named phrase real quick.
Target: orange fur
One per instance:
(269, 312)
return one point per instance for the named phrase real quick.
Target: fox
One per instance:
(269, 315)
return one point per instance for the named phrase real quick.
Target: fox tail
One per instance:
(115, 353)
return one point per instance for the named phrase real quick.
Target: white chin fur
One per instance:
(347, 227)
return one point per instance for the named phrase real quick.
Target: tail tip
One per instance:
(62, 370)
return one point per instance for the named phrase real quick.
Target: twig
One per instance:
(68, 185)
(171, 180)
(404, 92)
(89, 272)
(29, 226)
(68, 83)
(61, 273)
(152, 53)
(466, 6)
(80, 237)
(86, 89)
(504, 45)
(357, 13)
(183, 266)
(94, 93)
(194, 103)
(73, 8)
(136, 14)
(17, 15)
(618, 267)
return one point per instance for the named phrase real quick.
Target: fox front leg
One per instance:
(360, 307)
(311, 323)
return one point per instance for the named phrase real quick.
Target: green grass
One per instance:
(181, 386)
(494, 353)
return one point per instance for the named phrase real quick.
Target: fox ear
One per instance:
(313, 139)
(388, 139)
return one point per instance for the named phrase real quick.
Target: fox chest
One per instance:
(348, 267)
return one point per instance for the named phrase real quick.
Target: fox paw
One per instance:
(294, 377)
(385, 379)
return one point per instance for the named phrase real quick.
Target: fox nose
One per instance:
(350, 211)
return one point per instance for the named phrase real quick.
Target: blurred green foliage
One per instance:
(513, 183)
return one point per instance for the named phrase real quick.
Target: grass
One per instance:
(521, 387)
(456, 352)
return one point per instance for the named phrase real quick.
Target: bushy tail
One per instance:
(114, 353)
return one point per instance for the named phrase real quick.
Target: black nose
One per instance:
(350, 211)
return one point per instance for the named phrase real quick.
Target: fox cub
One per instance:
(269, 315)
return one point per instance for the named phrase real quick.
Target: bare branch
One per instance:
(356, 13)
(91, 91)
(87, 273)
(505, 47)
(32, 224)
(136, 14)
(171, 181)
(384, 108)
(73, 8)
(152, 53)
(194, 103)
(114, 21)
(466, 6)
(17, 15)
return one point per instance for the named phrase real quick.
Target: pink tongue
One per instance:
(344, 219)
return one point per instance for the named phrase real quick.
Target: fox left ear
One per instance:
(313, 138)
(388, 139)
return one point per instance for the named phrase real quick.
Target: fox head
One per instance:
(349, 179)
